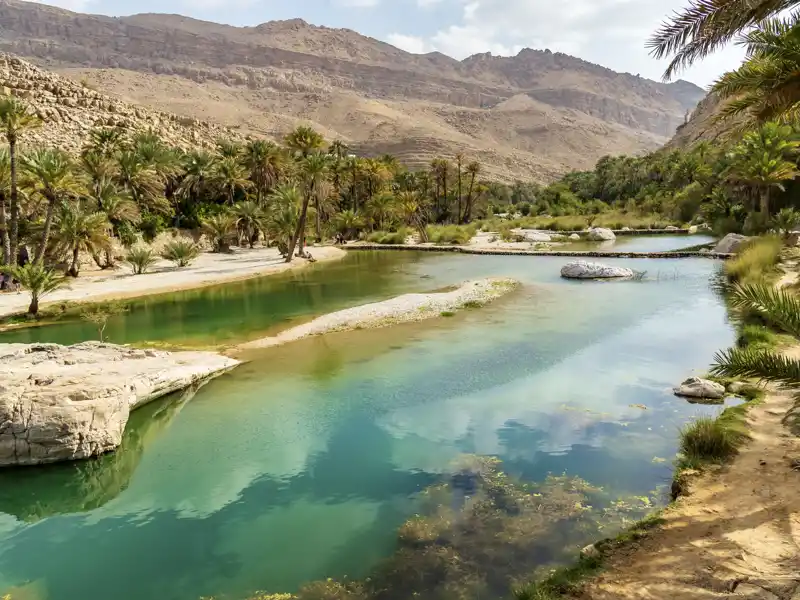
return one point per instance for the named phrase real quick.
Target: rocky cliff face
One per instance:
(290, 70)
(69, 110)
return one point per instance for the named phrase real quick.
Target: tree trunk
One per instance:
(48, 224)
(14, 235)
(468, 208)
(458, 214)
(355, 190)
(297, 233)
(318, 224)
(765, 202)
(73, 268)
(445, 208)
(33, 309)
(4, 227)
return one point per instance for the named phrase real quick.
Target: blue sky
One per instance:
(608, 32)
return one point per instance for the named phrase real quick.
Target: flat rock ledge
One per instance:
(402, 309)
(60, 403)
(581, 269)
(695, 387)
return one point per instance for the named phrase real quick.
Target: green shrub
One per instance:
(524, 208)
(753, 334)
(451, 234)
(709, 439)
(388, 237)
(140, 259)
(755, 261)
(180, 252)
(150, 226)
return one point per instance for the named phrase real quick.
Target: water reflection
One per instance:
(35, 493)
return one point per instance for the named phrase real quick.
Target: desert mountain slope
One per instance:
(69, 111)
(534, 115)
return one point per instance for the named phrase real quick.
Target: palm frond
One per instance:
(776, 305)
(760, 364)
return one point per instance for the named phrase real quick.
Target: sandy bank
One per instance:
(402, 309)
(208, 269)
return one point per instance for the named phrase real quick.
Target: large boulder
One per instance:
(600, 234)
(531, 235)
(61, 403)
(574, 237)
(730, 244)
(695, 387)
(581, 269)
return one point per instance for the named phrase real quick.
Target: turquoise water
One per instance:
(301, 464)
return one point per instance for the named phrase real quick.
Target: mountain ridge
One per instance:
(267, 78)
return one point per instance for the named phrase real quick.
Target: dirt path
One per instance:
(737, 535)
(208, 269)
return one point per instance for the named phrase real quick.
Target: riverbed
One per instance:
(301, 464)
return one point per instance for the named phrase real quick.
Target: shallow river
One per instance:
(302, 463)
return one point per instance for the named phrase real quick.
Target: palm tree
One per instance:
(220, 229)
(459, 162)
(15, 118)
(353, 166)
(474, 169)
(707, 25)
(381, 209)
(198, 167)
(284, 217)
(249, 220)
(760, 161)
(142, 181)
(229, 148)
(266, 163)
(304, 140)
(120, 210)
(105, 142)
(781, 309)
(55, 179)
(348, 223)
(313, 169)
(76, 229)
(410, 208)
(5, 193)
(38, 280)
(230, 179)
(765, 87)
(786, 221)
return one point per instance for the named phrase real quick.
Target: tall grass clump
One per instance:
(451, 234)
(180, 252)
(712, 440)
(756, 261)
(388, 237)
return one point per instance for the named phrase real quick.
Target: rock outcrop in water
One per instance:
(730, 243)
(60, 403)
(695, 387)
(581, 269)
(600, 234)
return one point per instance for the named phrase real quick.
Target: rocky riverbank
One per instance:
(60, 403)
(402, 309)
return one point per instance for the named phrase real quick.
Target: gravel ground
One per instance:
(402, 309)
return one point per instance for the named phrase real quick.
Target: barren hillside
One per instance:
(534, 115)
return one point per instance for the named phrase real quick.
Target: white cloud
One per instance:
(612, 33)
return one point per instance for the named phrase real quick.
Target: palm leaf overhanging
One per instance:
(779, 308)
(767, 85)
(707, 25)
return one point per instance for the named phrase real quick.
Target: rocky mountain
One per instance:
(533, 115)
(70, 110)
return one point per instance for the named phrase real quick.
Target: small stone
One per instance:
(590, 551)
(581, 269)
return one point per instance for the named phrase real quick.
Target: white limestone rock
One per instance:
(600, 234)
(581, 269)
(60, 403)
(730, 244)
(695, 387)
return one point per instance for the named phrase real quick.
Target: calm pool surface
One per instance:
(302, 463)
